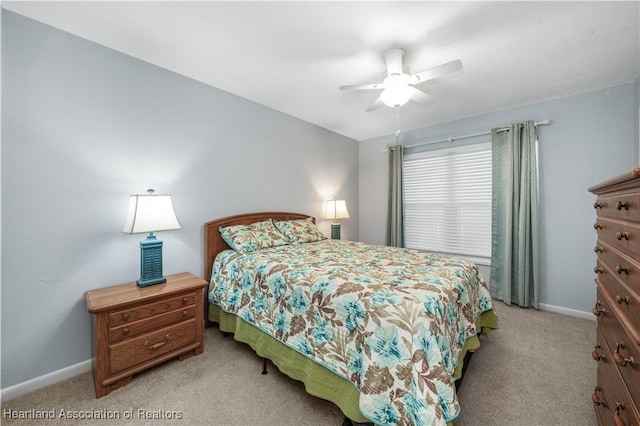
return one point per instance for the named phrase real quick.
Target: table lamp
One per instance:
(336, 209)
(150, 213)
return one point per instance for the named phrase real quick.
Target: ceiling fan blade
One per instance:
(393, 59)
(375, 104)
(374, 86)
(419, 96)
(434, 72)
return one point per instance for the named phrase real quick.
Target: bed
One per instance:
(381, 332)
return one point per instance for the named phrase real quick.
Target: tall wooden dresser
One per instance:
(617, 348)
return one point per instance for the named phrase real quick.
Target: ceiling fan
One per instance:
(399, 85)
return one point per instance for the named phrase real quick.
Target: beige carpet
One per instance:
(536, 370)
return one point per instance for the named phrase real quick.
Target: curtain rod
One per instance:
(502, 129)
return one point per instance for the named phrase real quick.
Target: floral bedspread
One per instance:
(392, 321)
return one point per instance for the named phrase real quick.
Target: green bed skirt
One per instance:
(319, 381)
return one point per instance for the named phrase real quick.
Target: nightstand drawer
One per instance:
(148, 346)
(129, 315)
(146, 325)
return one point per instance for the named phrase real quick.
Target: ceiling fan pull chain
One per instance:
(397, 123)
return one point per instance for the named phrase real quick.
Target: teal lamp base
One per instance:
(151, 262)
(335, 231)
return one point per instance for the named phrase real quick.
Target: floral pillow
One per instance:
(300, 230)
(248, 238)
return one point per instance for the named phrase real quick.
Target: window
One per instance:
(447, 201)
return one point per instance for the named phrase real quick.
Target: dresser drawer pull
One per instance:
(622, 269)
(598, 270)
(619, 359)
(595, 354)
(125, 331)
(598, 205)
(621, 235)
(598, 249)
(617, 420)
(185, 300)
(185, 314)
(597, 226)
(622, 205)
(622, 299)
(597, 309)
(125, 317)
(595, 398)
(157, 345)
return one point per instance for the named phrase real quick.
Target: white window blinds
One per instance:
(447, 201)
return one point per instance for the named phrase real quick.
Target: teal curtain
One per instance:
(395, 215)
(515, 245)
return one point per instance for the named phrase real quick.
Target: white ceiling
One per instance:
(293, 56)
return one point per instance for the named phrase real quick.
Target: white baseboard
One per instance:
(45, 380)
(567, 311)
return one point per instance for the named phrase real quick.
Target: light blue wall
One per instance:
(592, 137)
(83, 127)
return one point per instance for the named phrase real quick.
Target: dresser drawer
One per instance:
(623, 236)
(601, 403)
(135, 313)
(620, 351)
(126, 331)
(625, 206)
(615, 395)
(148, 346)
(610, 408)
(621, 265)
(621, 300)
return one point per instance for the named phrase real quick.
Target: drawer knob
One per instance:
(622, 299)
(185, 313)
(622, 205)
(621, 235)
(125, 331)
(622, 269)
(157, 345)
(598, 205)
(595, 354)
(619, 359)
(598, 270)
(597, 309)
(595, 398)
(597, 226)
(185, 300)
(598, 249)
(617, 420)
(125, 316)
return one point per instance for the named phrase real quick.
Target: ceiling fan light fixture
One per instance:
(397, 91)
(396, 96)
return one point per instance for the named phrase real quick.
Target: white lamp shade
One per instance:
(150, 213)
(336, 209)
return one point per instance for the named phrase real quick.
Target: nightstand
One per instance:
(135, 328)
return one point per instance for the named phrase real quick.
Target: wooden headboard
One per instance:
(213, 242)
